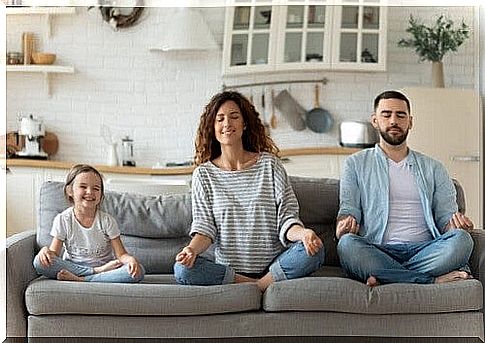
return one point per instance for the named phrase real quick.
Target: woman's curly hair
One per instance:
(254, 138)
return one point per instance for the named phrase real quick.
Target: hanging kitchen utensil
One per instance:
(263, 110)
(318, 119)
(291, 110)
(272, 120)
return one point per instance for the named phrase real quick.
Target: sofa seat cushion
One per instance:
(346, 295)
(157, 295)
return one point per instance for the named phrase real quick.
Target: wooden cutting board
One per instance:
(50, 143)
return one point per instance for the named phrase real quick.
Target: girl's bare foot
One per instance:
(455, 275)
(108, 266)
(372, 281)
(66, 275)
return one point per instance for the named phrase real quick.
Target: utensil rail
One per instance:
(323, 81)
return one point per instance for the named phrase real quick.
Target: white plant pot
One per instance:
(437, 75)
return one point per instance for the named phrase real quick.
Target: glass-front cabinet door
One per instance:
(359, 36)
(304, 37)
(265, 36)
(249, 37)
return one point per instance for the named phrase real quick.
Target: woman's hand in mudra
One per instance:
(186, 257)
(311, 241)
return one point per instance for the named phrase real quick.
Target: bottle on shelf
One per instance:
(127, 152)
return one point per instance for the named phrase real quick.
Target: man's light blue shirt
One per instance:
(364, 192)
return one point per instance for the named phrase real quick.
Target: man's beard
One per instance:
(394, 139)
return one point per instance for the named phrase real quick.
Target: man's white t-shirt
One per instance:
(89, 246)
(406, 222)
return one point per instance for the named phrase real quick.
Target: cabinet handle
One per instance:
(465, 158)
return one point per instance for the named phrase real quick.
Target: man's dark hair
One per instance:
(391, 95)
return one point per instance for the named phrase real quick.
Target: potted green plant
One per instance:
(433, 43)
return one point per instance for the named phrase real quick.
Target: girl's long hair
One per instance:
(254, 137)
(74, 172)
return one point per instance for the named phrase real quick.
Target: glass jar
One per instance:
(15, 58)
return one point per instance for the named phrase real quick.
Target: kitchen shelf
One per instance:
(47, 12)
(40, 10)
(43, 69)
(37, 68)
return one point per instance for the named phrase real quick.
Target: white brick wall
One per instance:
(157, 98)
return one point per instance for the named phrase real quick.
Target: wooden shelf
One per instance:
(37, 68)
(46, 70)
(18, 162)
(40, 10)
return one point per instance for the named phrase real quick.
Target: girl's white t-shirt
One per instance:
(88, 246)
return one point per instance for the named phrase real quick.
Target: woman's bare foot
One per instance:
(66, 275)
(372, 281)
(108, 266)
(455, 275)
(241, 278)
(265, 281)
(262, 283)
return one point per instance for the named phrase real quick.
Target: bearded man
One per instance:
(398, 219)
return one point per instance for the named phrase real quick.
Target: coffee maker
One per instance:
(33, 130)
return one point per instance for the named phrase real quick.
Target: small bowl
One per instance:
(43, 58)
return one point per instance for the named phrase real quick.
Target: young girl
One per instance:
(89, 236)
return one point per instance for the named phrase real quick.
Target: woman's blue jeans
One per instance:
(116, 275)
(405, 263)
(291, 264)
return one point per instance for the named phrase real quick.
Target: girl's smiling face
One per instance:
(86, 191)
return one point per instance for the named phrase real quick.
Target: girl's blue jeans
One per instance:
(405, 263)
(291, 264)
(116, 275)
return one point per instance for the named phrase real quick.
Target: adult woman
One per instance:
(242, 202)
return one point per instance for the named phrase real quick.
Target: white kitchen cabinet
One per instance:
(148, 184)
(249, 39)
(359, 36)
(321, 166)
(22, 195)
(304, 36)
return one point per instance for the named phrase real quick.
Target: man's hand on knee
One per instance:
(347, 224)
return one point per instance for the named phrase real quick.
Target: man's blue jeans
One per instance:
(405, 263)
(291, 264)
(116, 275)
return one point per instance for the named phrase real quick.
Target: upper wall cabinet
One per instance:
(249, 41)
(359, 37)
(261, 37)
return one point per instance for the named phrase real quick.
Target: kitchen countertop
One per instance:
(18, 162)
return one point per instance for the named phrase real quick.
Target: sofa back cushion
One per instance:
(155, 228)
(319, 202)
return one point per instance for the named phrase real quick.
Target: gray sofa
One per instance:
(155, 228)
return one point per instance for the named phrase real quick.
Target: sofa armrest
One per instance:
(20, 250)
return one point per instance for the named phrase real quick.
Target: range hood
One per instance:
(185, 29)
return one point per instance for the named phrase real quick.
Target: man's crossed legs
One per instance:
(443, 259)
